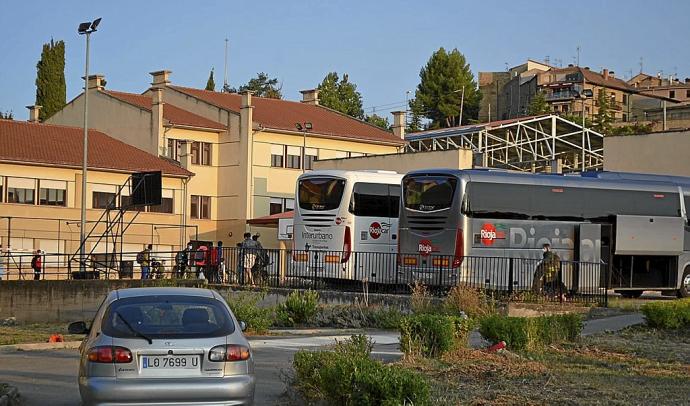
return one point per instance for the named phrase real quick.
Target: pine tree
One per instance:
(440, 90)
(263, 86)
(603, 119)
(210, 83)
(538, 105)
(381, 122)
(51, 89)
(341, 95)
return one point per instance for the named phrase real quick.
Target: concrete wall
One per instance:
(659, 153)
(67, 301)
(403, 163)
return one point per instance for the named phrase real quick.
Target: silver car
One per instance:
(165, 346)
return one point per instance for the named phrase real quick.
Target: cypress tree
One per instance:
(210, 83)
(51, 89)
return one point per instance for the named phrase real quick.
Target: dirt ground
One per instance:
(34, 333)
(635, 366)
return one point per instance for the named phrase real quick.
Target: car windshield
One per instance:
(170, 316)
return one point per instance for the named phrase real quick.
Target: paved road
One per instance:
(49, 377)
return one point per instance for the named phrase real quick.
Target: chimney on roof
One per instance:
(612, 74)
(399, 124)
(310, 96)
(33, 113)
(96, 81)
(157, 131)
(605, 74)
(687, 80)
(161, 78)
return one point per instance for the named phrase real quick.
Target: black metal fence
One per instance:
(520, 279)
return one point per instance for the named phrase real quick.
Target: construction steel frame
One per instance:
(532, 144)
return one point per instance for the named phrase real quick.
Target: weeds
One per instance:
(245, 307)
(431, 335)
(667, 315)
(299, 308)
(473, 302)
(521, 333)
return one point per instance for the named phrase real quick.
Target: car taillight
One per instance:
(110, 355)
(232, 352)
(459, 248)
(347, 245)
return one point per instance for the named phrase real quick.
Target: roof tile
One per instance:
(283, 114)
(21, 141)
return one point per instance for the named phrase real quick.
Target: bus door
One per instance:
(586, 274)
(374, 229)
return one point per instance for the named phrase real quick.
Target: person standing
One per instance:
(201, 260)
(547, 274)
(216, 263)
(37, 265)
(259, 269)
(249, 252)
(144, 259)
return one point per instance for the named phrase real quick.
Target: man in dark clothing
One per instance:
(37, 265)
(248, 255)
(547, 275)
(258, 270)
(216, 263)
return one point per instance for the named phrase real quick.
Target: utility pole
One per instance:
(462, 103)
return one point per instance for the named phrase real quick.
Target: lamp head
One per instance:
(298, 126)
(95, 23)
(307, 125)
(83, 27)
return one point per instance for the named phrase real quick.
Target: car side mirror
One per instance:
(78, 327)
(243, 326)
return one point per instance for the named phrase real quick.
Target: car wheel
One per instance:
(630, 294)
(684, 290)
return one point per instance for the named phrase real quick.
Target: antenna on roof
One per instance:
(225, 71)
(641, 64)
(578, 56)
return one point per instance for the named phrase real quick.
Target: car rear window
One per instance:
(170, 316)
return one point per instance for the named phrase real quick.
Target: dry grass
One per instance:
(473, 302)
(420, 299)
(34, 333)
(636, 366)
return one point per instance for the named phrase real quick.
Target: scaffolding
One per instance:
(531, 144)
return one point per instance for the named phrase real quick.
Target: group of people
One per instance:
(209, 262)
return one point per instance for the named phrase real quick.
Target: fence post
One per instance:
(607, 269)
(510, 276)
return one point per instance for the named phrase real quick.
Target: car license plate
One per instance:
(170, 362)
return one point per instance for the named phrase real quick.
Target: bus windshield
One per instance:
(429, 193)
(320, 193)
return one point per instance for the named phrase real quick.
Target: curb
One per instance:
(67, 345)
(10, 398)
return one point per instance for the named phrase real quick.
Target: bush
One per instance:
(433, 334)
(348, 376)
(667, 315)
(246, 308)
(523, 333)
(299, 307)
(472, 302)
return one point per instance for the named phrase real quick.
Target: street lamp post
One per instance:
(304, 127)
(85, 29)
(584, 95)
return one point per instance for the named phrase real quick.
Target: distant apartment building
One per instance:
(670, 104)
(40, 190)
(509, 94)
(246, 152)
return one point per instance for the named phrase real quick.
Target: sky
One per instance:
(381, 45)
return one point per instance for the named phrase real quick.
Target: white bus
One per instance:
(346, 225)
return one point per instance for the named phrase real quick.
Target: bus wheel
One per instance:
(684, 290)
(630, 294)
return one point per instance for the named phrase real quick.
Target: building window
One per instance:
(201, 207)
(687, 93)
(277, 156)
(310, 155)
(101, 200)
(281, 205)
(21, 190)
(126, 203)
(174, 149)
(672, 94)
(18, 195)
(293, 157)
(166, 206)
(201, 153)
(51, 197)
(625, 99)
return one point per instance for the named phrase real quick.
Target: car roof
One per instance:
(160, 291)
